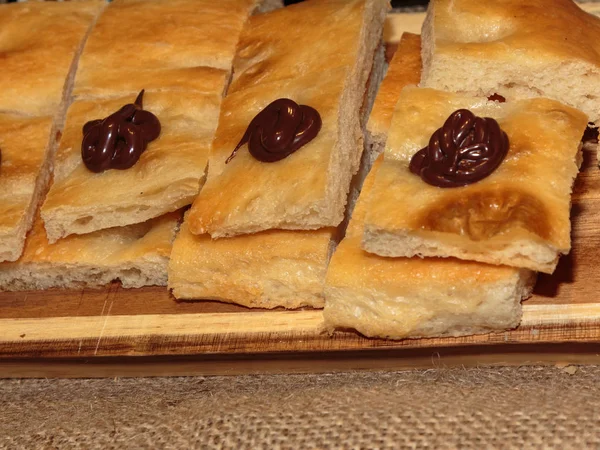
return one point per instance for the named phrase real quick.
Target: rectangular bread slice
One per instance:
(275, 268)
(514, 48)
(404, 69)
(39, 46)
(279, 57)
(167, 176)
(137, 255)
(399, 298)
(33, 98)
(23, 177)
(517, 216)
(161, 45)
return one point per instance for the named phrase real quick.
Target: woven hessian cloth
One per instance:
(527, 407)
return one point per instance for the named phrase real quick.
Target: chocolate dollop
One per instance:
(280, 129)
(465, 150)
(118, 141)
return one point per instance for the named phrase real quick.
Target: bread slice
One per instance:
(33, 104)
(404, 69)
(281, 57)
(517, 216)
(399, 298)
(40, 43)
(137, 255)
(535, 48)
(273, 268)
(23, 143)
(167, 176)
(171, 45)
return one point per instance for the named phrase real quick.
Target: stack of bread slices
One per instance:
(199, 211)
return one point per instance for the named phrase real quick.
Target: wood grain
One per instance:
(127, 332)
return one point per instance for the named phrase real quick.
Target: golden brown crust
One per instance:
(37, 45)
(263, 270)
(539, 48)
(280, 45)
(23, 143)
(166, 177)
(161, 44)
(404, 69)
(501, 30)
(526, 201)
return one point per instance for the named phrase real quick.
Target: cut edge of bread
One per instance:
(374, 313)
(345, 159)
(63, 221)
(42, 276)
(264, 6)
(522, 253)
(264, 291)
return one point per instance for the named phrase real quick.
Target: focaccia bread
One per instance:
(39, 46)
(263, 270)
(284, 44)
(308, 189)
(404, 69)
(24, 174)
(517, 216)
(161, 45)
(401, 298)
(514, 48)
(137, 255)
(167, 176)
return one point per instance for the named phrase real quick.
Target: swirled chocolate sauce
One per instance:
(465, 150)
(280, 129)
(118, 141)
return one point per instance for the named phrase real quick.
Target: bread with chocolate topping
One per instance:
(166, 177)
(278, 57)
(180, 53)
(517, 214)
(136, 255)
(514, 48)
(269, 269)
(400, 298)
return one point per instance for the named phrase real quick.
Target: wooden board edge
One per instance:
(320, 362)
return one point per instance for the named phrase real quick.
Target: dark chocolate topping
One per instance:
(118, 141)
(280, 129)
(465, 150)
(496, 98)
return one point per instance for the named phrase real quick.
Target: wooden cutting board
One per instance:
(121, 332)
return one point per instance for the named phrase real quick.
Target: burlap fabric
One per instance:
(458, 408)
